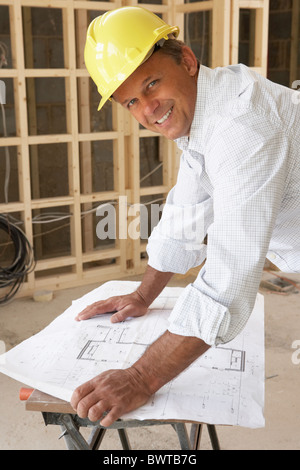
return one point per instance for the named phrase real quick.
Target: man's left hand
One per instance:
(114, 392)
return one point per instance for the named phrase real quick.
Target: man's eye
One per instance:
(152, 84)
(131, 102)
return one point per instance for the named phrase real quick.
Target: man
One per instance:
(238, 181)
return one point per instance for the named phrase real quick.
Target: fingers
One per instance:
(109, 396)
(122, 307)
(103, 306)
(95, 409)
(80, 394)
(111, 417)
(121, 315)
(87, 403)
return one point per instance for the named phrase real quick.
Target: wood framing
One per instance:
(261, 8)
(124, 257)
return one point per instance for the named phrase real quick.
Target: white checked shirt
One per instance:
(239, 183)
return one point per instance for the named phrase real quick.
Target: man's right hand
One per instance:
(123, 306)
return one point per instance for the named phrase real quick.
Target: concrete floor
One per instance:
(23, 430)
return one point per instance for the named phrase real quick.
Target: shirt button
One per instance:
(272, 256)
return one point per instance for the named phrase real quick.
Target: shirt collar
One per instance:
(193, 142)
(211, 95)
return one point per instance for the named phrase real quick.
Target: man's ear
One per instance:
(189, 61)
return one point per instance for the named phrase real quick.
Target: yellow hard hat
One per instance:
(118, 42)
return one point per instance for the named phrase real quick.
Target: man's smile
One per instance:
(165, 117)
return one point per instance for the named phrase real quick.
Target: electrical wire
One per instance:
(13, 275)
(151, 172)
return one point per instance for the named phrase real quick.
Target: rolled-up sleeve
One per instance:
(176, 243)
(247, 167)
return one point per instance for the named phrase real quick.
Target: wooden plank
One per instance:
(255, 4)
(176, 17)
(32, 123)
(8, 73)
(133, 243)
(49, 139)
(261, 8)
(72, 127)
(51, 202)
(33, 73)
(11, 207)
(16, 28)
(194, 7)
(261, 37)
(43, 265)
(86, 166)
(162, 189)
(10, 141)
(39, 401)
(235, 28)
(101, 254)
(119, 181)
(89, 5)
(221, 33)
(99, 197)
(148, 133)
(82, 73)
(105, 135)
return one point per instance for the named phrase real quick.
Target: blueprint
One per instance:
(224, 386)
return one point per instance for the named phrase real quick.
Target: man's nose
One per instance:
(150, 105)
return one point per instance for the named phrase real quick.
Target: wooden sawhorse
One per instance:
(60, 413)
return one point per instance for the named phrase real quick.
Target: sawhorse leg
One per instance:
(70, 426)
(195, 436)
(75, 441)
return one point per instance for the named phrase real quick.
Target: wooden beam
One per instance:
(16, 28)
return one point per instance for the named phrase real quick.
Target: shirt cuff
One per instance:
(173, 256)
(196, 314)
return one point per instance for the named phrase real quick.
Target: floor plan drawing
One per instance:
(224, 386)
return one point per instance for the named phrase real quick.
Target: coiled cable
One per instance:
(23, 262)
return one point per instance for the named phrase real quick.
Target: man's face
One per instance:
(161, 94)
